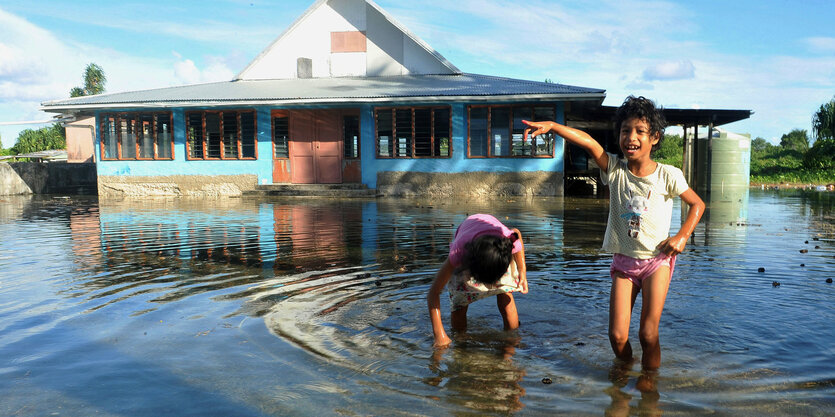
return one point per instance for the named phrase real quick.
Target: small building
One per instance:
(346, 95)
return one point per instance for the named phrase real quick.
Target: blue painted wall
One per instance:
(458, 162)
(262, 167)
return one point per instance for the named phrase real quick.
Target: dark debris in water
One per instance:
(829, 280)
(775, 284)
(760, 269)
(547, 380)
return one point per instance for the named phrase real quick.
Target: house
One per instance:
(346, 95)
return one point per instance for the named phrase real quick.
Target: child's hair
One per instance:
(488, 257)
(642, 108)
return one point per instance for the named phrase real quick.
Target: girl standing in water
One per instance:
(640, 211)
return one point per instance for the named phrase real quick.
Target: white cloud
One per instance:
(824, 45)
(187, 72)
(36, 66)
(670, 70)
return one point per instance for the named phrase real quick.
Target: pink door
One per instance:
(302, 151)
(328, 148)
(315, 147)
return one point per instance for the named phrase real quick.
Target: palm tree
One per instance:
(823, 122)
(94, 80)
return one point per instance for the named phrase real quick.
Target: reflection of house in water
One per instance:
(204, 239)
(207, 237)
(317, 235)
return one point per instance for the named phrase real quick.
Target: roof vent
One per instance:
(304, 68)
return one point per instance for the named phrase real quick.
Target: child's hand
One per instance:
(523, 282)
(672, 245)
(535, 129)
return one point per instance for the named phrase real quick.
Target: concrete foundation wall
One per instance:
(22, 178)
(71, 178)
(47, 178)
(176, 185)
(476, 184)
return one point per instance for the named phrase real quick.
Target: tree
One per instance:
(821, 155)
(823, 121)
(43, 139)
(94, 80)
(797, 140)
(760, 145)
(671, 151)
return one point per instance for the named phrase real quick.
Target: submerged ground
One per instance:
(317, 307)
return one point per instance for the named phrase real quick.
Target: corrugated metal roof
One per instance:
(55, 154)
(455, 87)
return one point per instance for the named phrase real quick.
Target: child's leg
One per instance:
(621, 301)
(507, 307)
(654, 294)
(459, 319)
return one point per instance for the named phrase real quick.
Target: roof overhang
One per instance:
(605, 116)
(89, 108)
(471, 88)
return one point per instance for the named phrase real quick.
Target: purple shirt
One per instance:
(475, 226)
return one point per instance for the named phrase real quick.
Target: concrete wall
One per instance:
(47, 178)
(474, 184)
(22, 178)
(71, 178)
(176, 185)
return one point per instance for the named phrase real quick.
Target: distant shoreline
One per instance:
(772, 185)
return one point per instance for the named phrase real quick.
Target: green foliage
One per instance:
(823, 121)
(94, 80)
(671, 151)
(77, 92)
(821, 156)
(760, 145)
(43, 139)
(797, 140)
(793, 161)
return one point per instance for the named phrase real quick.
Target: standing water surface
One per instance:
(317, 307)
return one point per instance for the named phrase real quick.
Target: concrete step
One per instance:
(313, 190)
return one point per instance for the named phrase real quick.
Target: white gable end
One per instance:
(337, 38)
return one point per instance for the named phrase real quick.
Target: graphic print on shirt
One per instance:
(635, 206)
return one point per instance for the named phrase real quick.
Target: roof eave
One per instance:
(502, 98)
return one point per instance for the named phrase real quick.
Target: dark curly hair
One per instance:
(488, 257)
(642, 108)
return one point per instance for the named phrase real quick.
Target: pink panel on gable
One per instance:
(348, 42)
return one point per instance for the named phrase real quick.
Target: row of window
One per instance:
(401, 132)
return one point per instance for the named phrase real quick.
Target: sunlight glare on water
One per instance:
(317, 307)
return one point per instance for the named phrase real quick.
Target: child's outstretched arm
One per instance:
(519, 258)
(675, 244)
(575, 136)
(433, 301)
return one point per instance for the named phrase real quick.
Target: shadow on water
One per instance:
(312, 307)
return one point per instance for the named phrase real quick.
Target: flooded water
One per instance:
(317, 307)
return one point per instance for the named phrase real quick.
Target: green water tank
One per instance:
(728, 175)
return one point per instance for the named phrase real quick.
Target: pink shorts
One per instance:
(637, 270)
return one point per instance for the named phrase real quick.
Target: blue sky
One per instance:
(774, 57)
